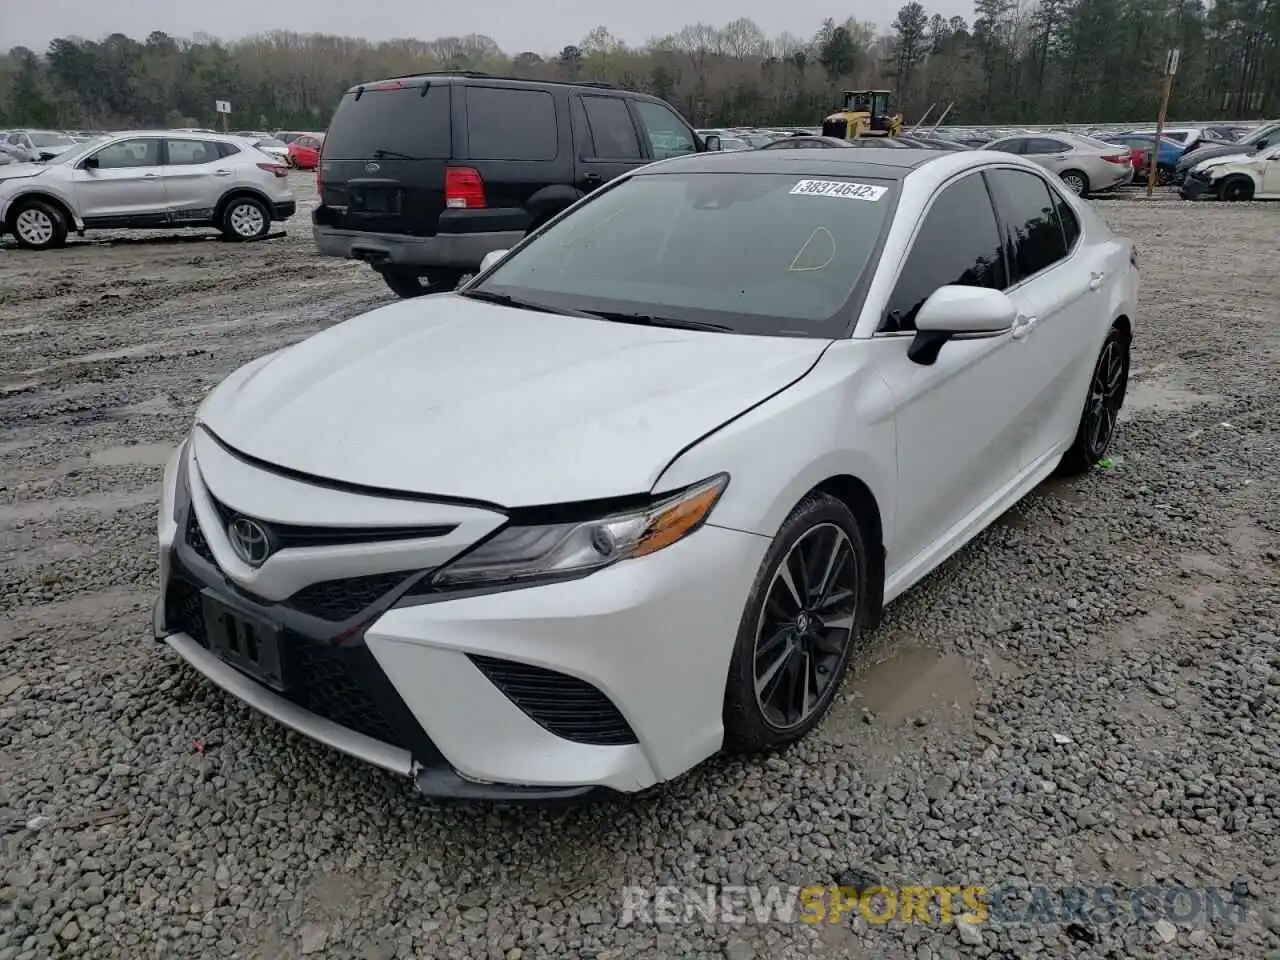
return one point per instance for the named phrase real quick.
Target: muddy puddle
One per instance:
(137, 455)
(913, 682)
(1160, 396)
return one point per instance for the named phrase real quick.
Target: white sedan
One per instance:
(633, 494)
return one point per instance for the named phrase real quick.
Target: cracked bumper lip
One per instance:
(438, 782)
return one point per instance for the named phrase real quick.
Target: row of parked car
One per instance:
(296, 148)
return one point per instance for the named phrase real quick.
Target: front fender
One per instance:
(836, 421)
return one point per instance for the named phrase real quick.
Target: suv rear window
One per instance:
(509, 124)
(396, 124)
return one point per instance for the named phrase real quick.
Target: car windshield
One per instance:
(51, 140)
(1260, 133)
(764, 253)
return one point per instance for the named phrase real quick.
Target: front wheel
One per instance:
(409, 282)
(39, 226)
(803, 618)
(1102, 406)
(245, 219)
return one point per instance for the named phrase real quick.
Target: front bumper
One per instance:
(1195, 187)
(611, 681)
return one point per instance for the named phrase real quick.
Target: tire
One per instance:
(1236, 189)
(408, 282)
(38, 225)
(773, 621)
(1105, 398)
(245, 219)
(1076, 182)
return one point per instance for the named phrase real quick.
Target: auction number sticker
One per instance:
(844, 189)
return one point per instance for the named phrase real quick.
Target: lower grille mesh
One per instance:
(564, 705)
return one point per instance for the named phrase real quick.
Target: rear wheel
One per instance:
(1236, 188)
(38, 225)
(802, 620)
(1076, 182)
(245, 218)
(411, 282)
(1102, 406)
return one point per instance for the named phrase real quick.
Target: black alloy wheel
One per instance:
(1102, 405)
(808, 616)
(802, 621)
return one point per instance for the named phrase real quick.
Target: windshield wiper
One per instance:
(648, 320)
(507, 300)
(383, 154)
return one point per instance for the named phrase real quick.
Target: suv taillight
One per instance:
(463, 189)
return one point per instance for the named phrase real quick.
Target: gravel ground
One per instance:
(1087, 696)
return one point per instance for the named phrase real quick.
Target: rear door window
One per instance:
(612, 132)
(397, 123)
(1043, 145)
(510, 124)
(191, 152)
(1033, 232)
(1012, 145)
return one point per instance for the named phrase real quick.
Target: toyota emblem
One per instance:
(371, 168)
(249, 540)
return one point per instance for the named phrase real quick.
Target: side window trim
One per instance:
(1053, 193)
(915, 235)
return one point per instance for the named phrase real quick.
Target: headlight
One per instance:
(574, 549)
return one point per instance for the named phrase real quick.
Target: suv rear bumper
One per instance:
(463, 251)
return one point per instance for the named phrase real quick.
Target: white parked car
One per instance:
(633, 494)
(41, 144)
(1238, 176)
(276, 149)
(145, 180)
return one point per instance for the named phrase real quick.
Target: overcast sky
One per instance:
(540, 25)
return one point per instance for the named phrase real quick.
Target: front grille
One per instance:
(339, 600)
(325, 680)
(196, 539)
(287, 535)
(342, 684)
(185, 611)
(564, 705)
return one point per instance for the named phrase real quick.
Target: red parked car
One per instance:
(304, 152)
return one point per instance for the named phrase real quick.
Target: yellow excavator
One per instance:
(865, 114)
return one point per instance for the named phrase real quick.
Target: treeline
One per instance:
(1016, 61)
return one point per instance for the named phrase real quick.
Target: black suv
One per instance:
(421, 176)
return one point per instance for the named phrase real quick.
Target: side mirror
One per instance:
(90, 163)
(713, 142)
(490, 258)
(956, 310)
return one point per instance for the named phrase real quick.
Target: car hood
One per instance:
(17, 171)
(1201, 154)
(451, 397)
(1222, 161)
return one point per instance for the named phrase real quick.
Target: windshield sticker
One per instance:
(839, 188)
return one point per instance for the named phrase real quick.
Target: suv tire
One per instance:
(245, 219)
(410, 282)
(37, 225)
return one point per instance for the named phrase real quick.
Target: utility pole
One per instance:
(1166, 88)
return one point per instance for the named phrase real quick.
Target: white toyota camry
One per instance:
(633, 494)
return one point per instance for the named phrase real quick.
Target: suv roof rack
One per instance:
(481, 75)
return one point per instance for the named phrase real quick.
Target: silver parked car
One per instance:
(1085, 165)
(41, 144)
(157, 179)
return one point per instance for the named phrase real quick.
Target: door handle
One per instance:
(591, 178)
(1095, 280)
(222, 173)
(1022, 326)
(150, 176)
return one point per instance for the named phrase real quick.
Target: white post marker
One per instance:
(222, 106)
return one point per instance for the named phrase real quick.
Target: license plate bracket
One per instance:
(248, 643)
(374, 200)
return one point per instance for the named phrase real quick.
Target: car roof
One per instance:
(880, 162)
(460, 76)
